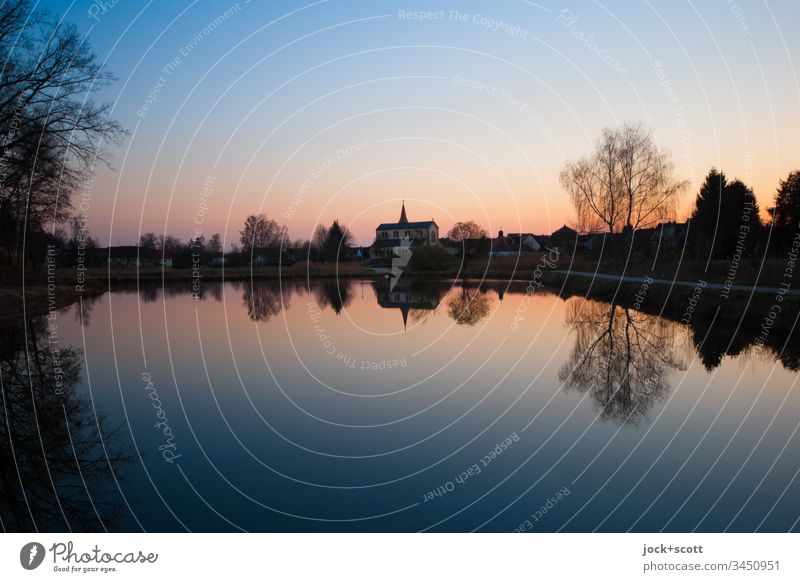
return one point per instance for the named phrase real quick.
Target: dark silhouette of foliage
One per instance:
(786, 213)
(338, 239)
(725, 219)
(57, 455)
(52, 129)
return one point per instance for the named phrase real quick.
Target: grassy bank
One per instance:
(769, 273)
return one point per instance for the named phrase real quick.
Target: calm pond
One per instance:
(350, 406)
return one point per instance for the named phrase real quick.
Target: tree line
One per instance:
(52, 136)
(51, 129)
(627, 184)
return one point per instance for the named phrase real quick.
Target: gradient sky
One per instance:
(310, 111)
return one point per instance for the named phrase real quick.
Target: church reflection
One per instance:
(713, 337)
(415, 300)
(467, 303)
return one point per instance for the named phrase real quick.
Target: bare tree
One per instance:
(168, 245)
(472, 236)
(318, 239)
(148, 242)
(51, 130)
(626, 184)
(262, 232)
(466, 230)
(215, 243)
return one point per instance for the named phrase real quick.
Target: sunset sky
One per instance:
(310, 111)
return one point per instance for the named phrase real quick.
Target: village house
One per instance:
(563, 239)
(503, 246)
(667, 235)
(517, 243)
(132, 257)
(526, 241)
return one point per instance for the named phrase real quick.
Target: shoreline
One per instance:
(671, 296)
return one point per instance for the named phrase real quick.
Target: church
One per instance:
(389, 235)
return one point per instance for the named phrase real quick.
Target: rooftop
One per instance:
(403, 222)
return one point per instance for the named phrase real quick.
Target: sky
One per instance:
(337, 109)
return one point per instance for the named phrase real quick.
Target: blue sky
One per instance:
(467, 111)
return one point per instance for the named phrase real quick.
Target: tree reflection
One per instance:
(469, 305)
(148, 293)
(215, 289)
(334, 293)
(86, 305)
(621, 357)
(715, 342)
(56, 454)
(265, 299)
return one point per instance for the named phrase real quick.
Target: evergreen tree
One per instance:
(338, 239)
(786, 213)
(725, 216)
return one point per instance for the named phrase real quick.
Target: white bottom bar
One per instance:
(355, 557)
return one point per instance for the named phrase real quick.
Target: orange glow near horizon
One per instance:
(322, 118)
(512, 202)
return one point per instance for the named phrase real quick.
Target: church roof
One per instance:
(397, 225)
(404, 223)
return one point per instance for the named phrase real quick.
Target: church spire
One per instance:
(403, 219)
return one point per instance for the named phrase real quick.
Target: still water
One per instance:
(350, 406)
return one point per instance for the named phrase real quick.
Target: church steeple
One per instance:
(403, 219)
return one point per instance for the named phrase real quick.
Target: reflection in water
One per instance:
(621, 357)
(83, 316)
(55, 452)
(334, 293)
(714, 342)
(622, 361)
(264, 300)
(416, 300)
(713, 337)
(469, 305)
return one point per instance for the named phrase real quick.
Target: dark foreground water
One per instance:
(353, 407)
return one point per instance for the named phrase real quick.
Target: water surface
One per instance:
(349, 406)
